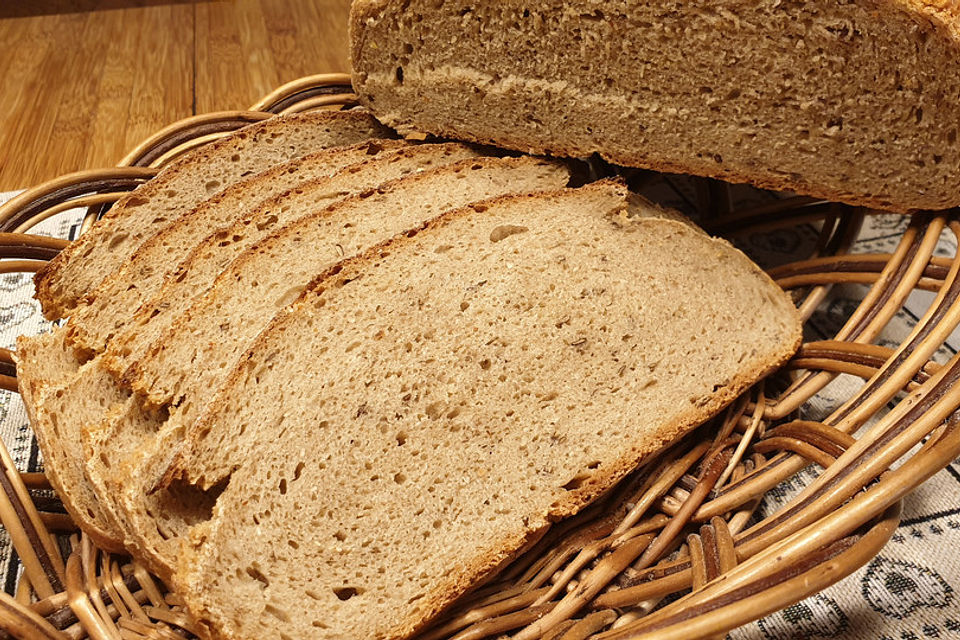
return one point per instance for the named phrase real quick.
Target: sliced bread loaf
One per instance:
(278, 265)
(78, 269)
(424, 411)
(198, 270)
(855, 101)
(109, 307)
(45, 369)
(195, 353)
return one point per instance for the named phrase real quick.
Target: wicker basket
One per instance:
(676, 550)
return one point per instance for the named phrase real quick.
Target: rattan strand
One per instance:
(681, 524)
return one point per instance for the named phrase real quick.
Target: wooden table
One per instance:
(83, 81)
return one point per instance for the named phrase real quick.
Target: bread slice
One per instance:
(196, 273)
(857, 101)
(195, 354)
(44, 366)
(78, 269)
(108, 308)
(425, 410)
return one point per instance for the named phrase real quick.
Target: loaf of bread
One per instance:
(425, 410)
(855, 101)
(157, 204)
(107, 308)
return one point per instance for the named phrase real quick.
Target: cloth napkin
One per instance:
(908, 592)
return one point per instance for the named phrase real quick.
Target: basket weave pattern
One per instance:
(676, 550)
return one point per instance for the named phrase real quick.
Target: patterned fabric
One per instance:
(908, 592)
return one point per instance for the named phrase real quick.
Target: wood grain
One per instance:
(83, 81)
(273, 42)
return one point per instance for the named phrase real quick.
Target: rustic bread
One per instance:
(108, 308)
(117, 433)
(196, 352)
(78, 269)
(341, 230)
(196, 273)
(124, 453)
(45, 366)
(424, 411)
(853, 101)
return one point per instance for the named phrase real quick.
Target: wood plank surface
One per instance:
(247, 48)
(83, 81)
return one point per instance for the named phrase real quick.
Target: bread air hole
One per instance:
(345, 593)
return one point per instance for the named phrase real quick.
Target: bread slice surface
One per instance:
(425, 410)
(194, 354)
(108, 308)
(855, 101)
(79, 268)
(195, 274)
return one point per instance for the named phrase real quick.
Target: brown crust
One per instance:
(53, 306)
(482, 566)
(941, 15)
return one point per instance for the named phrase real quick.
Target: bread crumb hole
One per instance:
(401, 438)
(212, 186)
(399, 478)
(278, 613)
(297, 471)
(576, 482)
(257, 575)
(345, 593)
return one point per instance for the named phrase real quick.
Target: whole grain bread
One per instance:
(114, 429)
(425, 410)
(855, 101)
(108, 308)
(193, 277)
(196, 352)
(124, 454)
(278, 266)
(149, 209)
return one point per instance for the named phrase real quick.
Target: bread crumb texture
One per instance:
(433, 405)
(856, 101)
